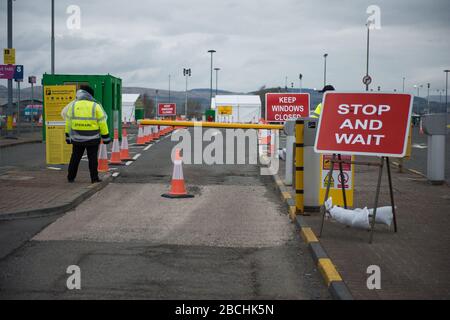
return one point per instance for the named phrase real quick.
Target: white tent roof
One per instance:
(129, 97)
(240, 100)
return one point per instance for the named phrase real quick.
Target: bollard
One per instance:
(299, 197)
(435, 127)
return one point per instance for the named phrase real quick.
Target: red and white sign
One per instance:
(167, 109)
(285, 106)
(374, 124)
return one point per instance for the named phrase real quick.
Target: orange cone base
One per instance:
(116, 163)
(177, 196)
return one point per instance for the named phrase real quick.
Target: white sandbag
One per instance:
(384, 215)
(361, 219)
(342, 215)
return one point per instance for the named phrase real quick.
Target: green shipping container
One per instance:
(107, 91)
(210, 113)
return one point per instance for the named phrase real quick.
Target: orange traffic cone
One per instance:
(103, 159)
(178, 189)
(40, 120)
(141, 138)
(115, 152)
(124, 152)
(148, 135)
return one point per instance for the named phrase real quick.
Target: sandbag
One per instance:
(384, 215)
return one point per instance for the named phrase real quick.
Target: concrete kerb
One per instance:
(9, 145)
(50, 211)
(336, 285)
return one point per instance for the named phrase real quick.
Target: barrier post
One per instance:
(299, 145)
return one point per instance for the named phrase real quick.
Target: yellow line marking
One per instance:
(286, 195)
(328, 271)
(308, 235)
(292, 212)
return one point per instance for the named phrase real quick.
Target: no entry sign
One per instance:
(364, 123)
(285, 106)
(167, 109)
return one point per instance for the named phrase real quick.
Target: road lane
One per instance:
(233, 240)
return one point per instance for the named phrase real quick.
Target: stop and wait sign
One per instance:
(285, 106)
(374, 124)
(167, 109)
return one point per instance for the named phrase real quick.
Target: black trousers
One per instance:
(77, 154)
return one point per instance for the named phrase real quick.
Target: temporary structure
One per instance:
(237, 108)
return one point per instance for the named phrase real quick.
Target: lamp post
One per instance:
(217, 78)
(325, 69)
(446, 89)
(53, 39)
(211, 86)
(169, 88)
(186, 73)
(403, 84)
(9, 113)
(300, 76)
(367, 53)
(428, 97)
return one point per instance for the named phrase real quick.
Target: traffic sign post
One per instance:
(167, 109)
(373, 124)
(281, 107)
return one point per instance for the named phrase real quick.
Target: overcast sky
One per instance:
(258, 42)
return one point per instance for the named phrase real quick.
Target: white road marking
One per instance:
(419, 146)
(147, 147)
(136, 156)
(115, 174)
(53, 168)
(128, 163)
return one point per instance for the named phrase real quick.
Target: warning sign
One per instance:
(281, 107)
(167, 109)
(57, 150)
(364, 123)
(55, 99)
(9, 56)
(225, 110)
(336, 179)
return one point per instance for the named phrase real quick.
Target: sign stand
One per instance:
(337, 159)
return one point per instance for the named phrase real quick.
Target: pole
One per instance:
(9, 133)
(403, 84)
(18, 108)
(32, 108)
(446, 89)
(428, 98)
(217, 78)
(367, 56)
(185, 102)
(211, 83)
(53, 38)
(169, 88)
(300, 82)
(325, 69)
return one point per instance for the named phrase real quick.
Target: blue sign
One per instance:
(18, 72)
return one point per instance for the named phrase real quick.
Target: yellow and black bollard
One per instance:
(299, 167)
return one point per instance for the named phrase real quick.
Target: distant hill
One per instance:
(202, 95)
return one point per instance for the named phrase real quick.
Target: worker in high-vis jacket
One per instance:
(86, 126)
(318, 110)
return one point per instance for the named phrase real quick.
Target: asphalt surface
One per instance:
(233, 240)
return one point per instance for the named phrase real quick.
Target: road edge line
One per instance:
(331, 277)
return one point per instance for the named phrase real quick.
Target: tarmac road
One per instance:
(233, 240)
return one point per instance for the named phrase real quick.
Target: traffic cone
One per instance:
(103, 159)
(124, 153)
(40, 120)
(14, 122)
(148, 135)
(140, 139)
(178, 189)
(115, 152)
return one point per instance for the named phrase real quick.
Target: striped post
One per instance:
(299, 166)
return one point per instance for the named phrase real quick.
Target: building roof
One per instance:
(129, 97)
(237, 100)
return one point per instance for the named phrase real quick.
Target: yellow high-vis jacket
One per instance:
(86, 123)
(317, 112)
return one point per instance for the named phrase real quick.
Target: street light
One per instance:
(325, 69)
(186, 73)
(300, 76)
(169, 88)
(217, 78)
(446, 89)
(404, 84)
(53, 39)
(10, 111)
(210, 91)
(428, 97)
(367, 53)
